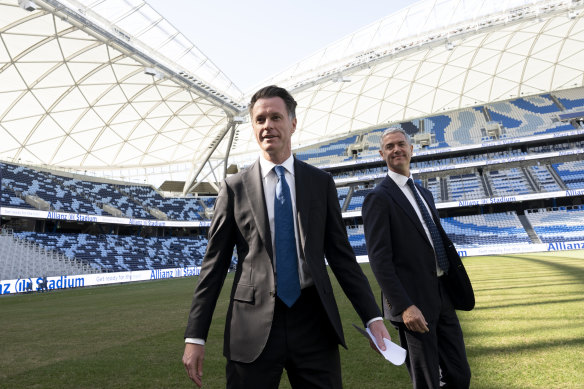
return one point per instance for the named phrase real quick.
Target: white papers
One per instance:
(393, 353)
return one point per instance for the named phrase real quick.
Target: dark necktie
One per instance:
(434, 233)
(288, 283)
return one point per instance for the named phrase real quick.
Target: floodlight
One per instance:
(27, 5)
(339, 78)
(154, 73)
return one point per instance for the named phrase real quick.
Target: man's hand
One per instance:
(379, 331)
(414, 320)
(193, 361)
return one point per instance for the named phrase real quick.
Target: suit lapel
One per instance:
(430, 201)
(254, 189)
(302, 180)
(395, 192)
(435, 215)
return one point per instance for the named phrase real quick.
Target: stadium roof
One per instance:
(110, 85)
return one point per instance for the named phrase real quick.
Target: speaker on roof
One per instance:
(27, 5)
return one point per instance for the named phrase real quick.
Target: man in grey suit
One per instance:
(421, 275)
(278, 318)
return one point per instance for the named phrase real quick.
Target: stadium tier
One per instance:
(433, 185)
(509, 182)
(565, 223)
(544, 178)
(334, 152)
(486, 230)
(463, 187)
(572, 173)
(357, 198)
(114, 253)
(357, 239)
(23, 259)
(466, 231)
(571, 99)
(521, 158)
(50, 191)
(342, 194)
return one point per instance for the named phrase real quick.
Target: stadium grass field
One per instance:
(527, 331)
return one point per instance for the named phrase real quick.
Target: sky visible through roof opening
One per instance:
(252, 40)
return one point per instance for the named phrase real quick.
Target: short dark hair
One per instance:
(392, 130)
(275, 91)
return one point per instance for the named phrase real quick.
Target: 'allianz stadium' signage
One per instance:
(510, 199)
(71, 217)
(78, 217)
(494, 200)
(160, 274)
(24, 285)
(37, 284)
(577, 192)
(561, 246)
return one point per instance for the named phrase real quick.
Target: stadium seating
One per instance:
(465, 127)
(544, 179)
(357, 198)
(111, 253)
(539, 105)
(572, 173)
(486, 229)
(509, 182)
(521, 117)
(31, 182)
(94, 198)
(464, 187)
(330, 153)
(527, 116)
(24, 259)
(558, 224)
(342, 193)
(371, 141)
(571, 99)
(357, 239)
(11, 200)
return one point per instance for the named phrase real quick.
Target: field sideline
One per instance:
(527, 331)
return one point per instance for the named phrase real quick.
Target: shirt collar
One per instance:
(267, 166)
(399, 179)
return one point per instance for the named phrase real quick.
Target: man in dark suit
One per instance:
(278, 317)
(411, 256)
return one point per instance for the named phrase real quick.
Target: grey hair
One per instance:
(392, 130)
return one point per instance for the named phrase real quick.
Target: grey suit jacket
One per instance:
(400, 253)
(241, 219)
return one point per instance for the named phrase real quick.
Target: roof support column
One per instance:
(197, 167)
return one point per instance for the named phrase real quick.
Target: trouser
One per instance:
(437, 359)
(302, 341)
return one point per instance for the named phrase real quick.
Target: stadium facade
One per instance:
(116, 130)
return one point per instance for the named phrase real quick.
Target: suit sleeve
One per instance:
(221, 240)
(377, 225)
(342, 262)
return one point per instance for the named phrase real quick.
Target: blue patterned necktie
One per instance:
(434, 233)
(288, 283)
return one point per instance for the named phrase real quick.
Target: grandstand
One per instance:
(503, 155)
